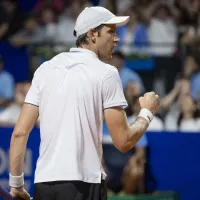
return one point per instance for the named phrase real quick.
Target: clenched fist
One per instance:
(149, 101)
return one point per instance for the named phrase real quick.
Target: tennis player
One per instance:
(73, 93)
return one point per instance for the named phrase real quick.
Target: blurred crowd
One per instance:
(162, 33)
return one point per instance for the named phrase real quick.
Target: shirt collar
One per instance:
(86, 51)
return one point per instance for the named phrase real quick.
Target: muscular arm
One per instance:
(25, 123)
(167, 101)
(124, 136)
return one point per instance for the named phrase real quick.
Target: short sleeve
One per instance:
(112, 91)
(33, 95)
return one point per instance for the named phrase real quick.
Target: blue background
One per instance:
(173, 161)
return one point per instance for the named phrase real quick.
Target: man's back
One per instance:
(71, 96)
(73, 155)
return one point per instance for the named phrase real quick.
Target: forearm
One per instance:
(135, 132)
(168, 100)
(17, 153)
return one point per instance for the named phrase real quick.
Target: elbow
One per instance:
(19, 134)
(124, 149)
(122, 143)
(122, 146)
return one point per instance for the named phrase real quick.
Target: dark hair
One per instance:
(83, 39)
(48, 8)
(138, 14)
(162, 7)
(196, 114)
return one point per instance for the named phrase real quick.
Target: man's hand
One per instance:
(149, 101)
(20, 193)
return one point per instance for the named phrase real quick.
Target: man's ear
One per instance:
(92, 34)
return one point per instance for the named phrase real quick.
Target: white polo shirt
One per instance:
(71, 90)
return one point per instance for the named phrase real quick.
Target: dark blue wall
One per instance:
(173, 160)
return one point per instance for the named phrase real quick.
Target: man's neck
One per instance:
(88, 47)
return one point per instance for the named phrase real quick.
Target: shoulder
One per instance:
(47, 65)
(110, 71)
(41, 68)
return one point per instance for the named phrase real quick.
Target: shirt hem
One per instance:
(102, 176)
(123, 105)
(31, 104)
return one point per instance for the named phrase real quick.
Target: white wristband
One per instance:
(16, 181)
(146, 114)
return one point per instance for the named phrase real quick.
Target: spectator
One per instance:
(162, 32)
(11, 18)
(155, 125)
(122, 6)
(145, 7)
(68, 20)
(163, 37)
(133, 176)
(133, 36)
(191, 72)
(189, 118)
(188, 11)
(10, 115)
(110, 5)
(56, 5)
(191, 35)
(170, 105)
(49, 24)
(6, 87)
(115, 161)
(30, 34)
(127, 75)
(133, 89)
(169, 101)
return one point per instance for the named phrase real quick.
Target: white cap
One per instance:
(91, 17)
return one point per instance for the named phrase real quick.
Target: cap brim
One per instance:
(119, 21)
